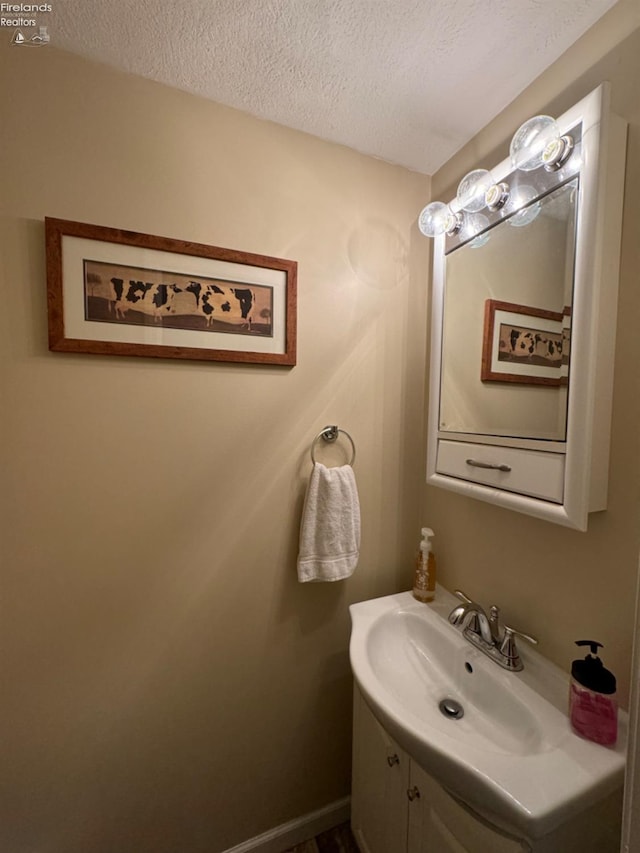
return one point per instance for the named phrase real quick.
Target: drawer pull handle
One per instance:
(492, 465)
(393, 759)
(413, 793)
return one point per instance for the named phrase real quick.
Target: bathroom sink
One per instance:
(511, 754)
(423, 660)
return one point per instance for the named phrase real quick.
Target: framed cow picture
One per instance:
(116, 292)
(525, 344)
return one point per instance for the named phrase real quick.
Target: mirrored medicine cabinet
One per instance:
(523, 328)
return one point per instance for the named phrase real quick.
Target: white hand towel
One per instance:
(330, 531)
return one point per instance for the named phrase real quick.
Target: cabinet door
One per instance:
(426, 832)
(379, 787)
(445, 826)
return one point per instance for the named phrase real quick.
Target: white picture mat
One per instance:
(540, 324)
(76, 249)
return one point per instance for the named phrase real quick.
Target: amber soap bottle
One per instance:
(424, 580)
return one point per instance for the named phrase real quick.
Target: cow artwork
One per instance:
(135, 296)
(536, 347)
(117, 292)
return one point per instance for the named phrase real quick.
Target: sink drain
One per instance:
(451, 709)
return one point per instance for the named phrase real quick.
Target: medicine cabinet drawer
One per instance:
(528, 472)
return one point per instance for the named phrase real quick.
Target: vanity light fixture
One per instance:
(538, 142)
(557, 152)
(476, 191)
(497, 196)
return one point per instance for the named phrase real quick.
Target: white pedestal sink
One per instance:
(512, 756)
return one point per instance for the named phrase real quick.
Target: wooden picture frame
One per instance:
(524, 344)
(115, 292)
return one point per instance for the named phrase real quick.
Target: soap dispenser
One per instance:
(593, 709)
(424, 581)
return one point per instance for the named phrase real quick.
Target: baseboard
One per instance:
(298, 830)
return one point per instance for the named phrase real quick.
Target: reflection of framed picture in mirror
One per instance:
(523, 344)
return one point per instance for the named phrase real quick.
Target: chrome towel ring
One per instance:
(330, 434)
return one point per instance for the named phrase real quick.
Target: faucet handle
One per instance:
(512, 631)
(463, 597)
(494, 623)
(508, 645)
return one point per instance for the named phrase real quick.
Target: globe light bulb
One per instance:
(530, 141)
(438, 218)
(472, 190)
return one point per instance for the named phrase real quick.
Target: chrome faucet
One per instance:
(470, 616)
(484, 632)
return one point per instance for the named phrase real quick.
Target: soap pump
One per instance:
(424, 581)
(593, 709)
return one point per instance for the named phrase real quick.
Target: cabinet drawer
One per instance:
(531, 472)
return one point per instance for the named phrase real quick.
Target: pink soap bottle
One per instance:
(593, 709)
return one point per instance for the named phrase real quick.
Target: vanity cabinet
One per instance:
(397, 807)
(379, 801)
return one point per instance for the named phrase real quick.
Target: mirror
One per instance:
(523, 325)
(506, 324)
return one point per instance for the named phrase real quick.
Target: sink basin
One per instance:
(511, 756)
(422, 661)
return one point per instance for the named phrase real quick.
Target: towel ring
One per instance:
(330, 434)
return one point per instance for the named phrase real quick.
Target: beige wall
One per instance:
(169, 684)
(555, 583)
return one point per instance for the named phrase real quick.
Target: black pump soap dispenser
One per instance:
(593, 709)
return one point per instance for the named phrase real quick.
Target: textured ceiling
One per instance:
(409, 81)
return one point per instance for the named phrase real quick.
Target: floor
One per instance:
(336, 840)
